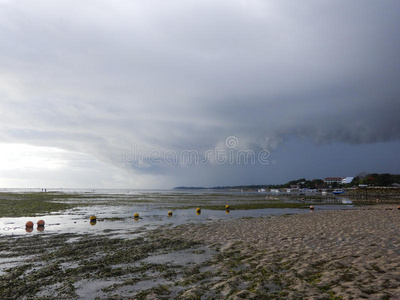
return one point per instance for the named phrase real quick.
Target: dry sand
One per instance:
(348, 254)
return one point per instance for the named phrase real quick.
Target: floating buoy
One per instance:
(29, 224)
(136, 216)
(40, 223)
(311, 208)
(40, 228)
(227, 211)
(227, 206)
(198, 211)
(93, 220)
(170, 214)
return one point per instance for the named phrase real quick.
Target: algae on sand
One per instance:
(59, 265)
(30, 204)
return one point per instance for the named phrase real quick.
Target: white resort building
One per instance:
(338, 180)
(331, 180)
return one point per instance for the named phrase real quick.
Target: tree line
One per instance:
(368, 179)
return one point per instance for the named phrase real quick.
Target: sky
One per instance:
(157, 94)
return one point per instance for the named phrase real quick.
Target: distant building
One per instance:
(347, 180)
(338, 180)
(331, 180)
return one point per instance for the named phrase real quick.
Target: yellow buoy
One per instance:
(227, 206)
(93, 220)
(170, 214)
(227, 211)
(136, 216)
(198, 211)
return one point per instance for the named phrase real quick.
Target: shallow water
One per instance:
(114, 210)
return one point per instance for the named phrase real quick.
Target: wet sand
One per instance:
(347, 254)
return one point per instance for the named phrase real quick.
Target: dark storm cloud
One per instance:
(99, 76)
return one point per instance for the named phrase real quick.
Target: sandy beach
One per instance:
(350, 254)
(342, 254)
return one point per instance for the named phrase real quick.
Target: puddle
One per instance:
(143, 285)
(50, 290)
(272, 287)
(92, 289)
(189, 256)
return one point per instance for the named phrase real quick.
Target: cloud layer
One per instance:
(97, 77)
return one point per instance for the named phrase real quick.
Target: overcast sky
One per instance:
(155, 94)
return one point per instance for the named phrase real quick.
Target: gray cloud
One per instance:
(97, 77)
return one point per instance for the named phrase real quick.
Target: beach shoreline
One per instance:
(341, 254)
